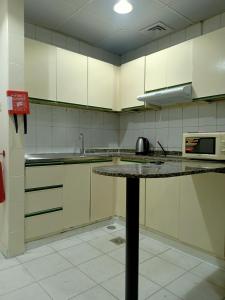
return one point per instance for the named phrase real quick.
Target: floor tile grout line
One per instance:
(86, 261)
(18, 289)
(42, 288)
(7, 268)
(35, 258)
(177, 265)
(38, 280)
(99, 283)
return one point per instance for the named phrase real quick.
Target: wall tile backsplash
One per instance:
(57, 129)
(167, 125)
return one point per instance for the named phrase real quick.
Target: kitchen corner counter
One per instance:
(161, 169)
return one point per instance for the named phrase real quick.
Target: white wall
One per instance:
(190, 32)
(12, 77)
(60, 40)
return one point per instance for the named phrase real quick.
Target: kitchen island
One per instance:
(133, 173)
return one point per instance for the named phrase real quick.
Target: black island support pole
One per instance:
(132, 238)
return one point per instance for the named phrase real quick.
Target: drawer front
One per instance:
(43, 225)
(43, 176)
(41, 200)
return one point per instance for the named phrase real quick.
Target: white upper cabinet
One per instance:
(209, 64)
(40, 70)
(71, 77)
(132, 82)
(169, 67)
(156, 71)
(179, 64)
(101, 84)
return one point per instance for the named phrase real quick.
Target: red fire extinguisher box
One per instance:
(18, 102)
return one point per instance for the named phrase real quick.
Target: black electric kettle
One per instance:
(142, 146)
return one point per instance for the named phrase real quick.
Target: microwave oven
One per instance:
(204, 145)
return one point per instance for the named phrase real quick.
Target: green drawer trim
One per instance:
(134, 160)
(42, 164)
(70, 162)
(42, 188)
(91, 161)
(43, 212)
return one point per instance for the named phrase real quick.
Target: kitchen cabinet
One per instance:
(179, 64)
(169, 67)
(76, 204)
(43, 201)
(43, 225)
(208, 64)
(43, 176)
(162, 205)
(71, 77)
(202, 212)
(120, 210)
(101, 84)
(40, 70)
(132, 82)
(102, 195)
(156, 71)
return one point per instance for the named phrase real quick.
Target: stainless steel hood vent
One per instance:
(168, 96)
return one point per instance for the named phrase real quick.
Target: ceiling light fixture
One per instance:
(123, 7)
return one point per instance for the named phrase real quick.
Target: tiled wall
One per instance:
(168, 124)
(57, 129)
(60, 40)
(190, 32)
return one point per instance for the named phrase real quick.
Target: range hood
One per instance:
(168, 96)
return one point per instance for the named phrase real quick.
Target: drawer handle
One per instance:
(42, 188)
(43, 212)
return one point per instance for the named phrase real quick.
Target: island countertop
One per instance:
(161, 169)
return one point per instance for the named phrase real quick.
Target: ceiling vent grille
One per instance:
(157, 27)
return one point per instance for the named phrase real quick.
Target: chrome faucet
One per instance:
(82, 150)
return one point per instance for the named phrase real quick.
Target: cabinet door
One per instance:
(202, 212)
(101, 84)
(208, 64)
(132, 82)
(156, 71)
(40, 70)
(162, 205)
(76, 208)
(71, 77)
(179, 64)
(102, 195)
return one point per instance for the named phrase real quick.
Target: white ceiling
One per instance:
(95, 22)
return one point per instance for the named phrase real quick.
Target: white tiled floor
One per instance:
(88, 266)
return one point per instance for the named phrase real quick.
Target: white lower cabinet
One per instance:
(162, 205)
(102, 194)
(190, 209)
(43, 201)
(120, 209)
(42, 225)
(76, 205)
(202, 212)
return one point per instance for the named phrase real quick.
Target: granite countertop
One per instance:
(67, 158)
(150, 166)
(161, 169)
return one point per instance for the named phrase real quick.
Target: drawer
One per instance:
(40, 200)
(43, 176)
(43, 225)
